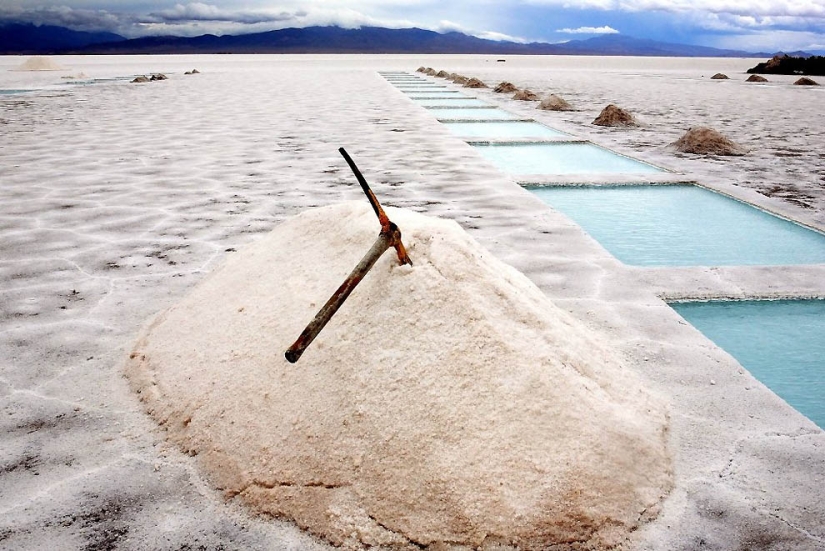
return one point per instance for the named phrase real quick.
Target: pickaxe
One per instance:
(390, 236)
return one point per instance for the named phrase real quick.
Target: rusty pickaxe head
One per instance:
(387, 227)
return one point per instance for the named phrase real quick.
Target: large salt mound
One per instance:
(39, 64)
(446, 402)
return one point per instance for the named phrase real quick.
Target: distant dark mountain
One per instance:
(790, 65)
(25, 38)
(798, 53)
(617, 44)
(368, 40)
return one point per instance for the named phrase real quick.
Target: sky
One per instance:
(750, 25)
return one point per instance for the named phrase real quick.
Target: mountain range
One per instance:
(30, 39)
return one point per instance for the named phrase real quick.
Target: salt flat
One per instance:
(117, 198)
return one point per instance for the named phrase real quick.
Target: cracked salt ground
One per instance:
(170, 149)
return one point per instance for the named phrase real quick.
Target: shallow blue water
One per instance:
(435, 94)
(683, 226)
(472, 114)
(451, 102)
(423, 89)
(564, 158)
(10, 92)
(782, 343)
(502, 130)
(417, 85)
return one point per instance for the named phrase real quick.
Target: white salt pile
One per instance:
(39, 64)
(446, 402)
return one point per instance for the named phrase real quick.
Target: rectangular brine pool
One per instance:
(417, 85)
(782, 343)
(502, 130)
(422, 89)
(451, 102)
(561, 158)
(683, 225)
(473, 113)
(439, 93)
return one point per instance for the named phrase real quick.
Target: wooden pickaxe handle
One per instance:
(385, 241)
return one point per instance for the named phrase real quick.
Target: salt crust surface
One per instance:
(447, 402)
(130, 195)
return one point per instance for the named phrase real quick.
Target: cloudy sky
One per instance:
(754, 25)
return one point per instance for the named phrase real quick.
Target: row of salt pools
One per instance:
(781, 342)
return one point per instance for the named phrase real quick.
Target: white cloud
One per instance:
(793, 8)
(492, 35)
(445, 26)
(589, 30)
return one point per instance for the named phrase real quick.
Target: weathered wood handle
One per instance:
(323, 316)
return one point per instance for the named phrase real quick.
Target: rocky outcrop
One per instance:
(788, 65)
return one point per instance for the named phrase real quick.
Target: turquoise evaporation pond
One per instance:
(429, 92)
(420, 87)
(561, 158)
(502, 130)
(683, 225)
(449, 102)
(435, 94)
(782, 343)
(470, 113)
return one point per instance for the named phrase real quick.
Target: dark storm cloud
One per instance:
(64, 16)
